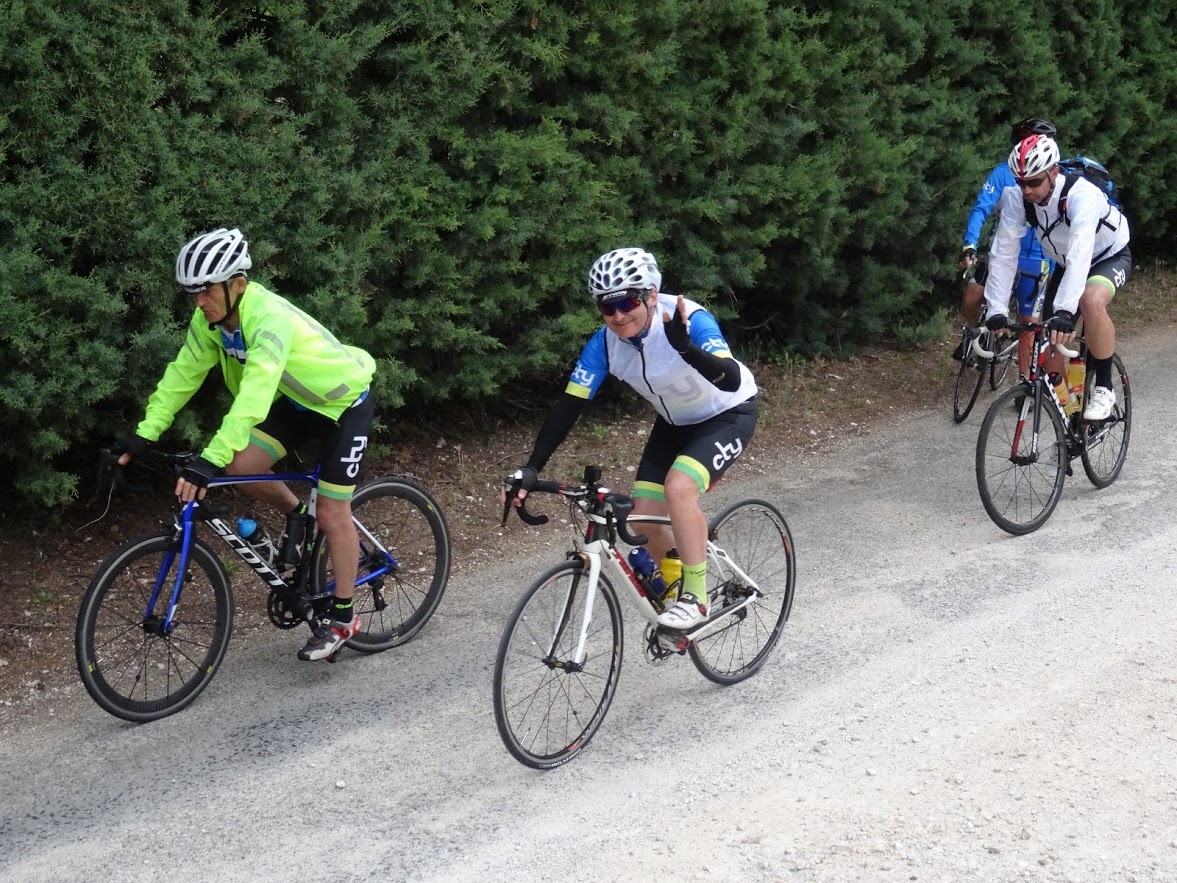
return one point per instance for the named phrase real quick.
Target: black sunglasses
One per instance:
(1031, 182)
(625, 305)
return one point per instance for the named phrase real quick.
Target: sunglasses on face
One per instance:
(1031, 182)
(625, 305)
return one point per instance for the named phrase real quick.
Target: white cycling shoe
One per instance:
(685, 613)
(1100, 405)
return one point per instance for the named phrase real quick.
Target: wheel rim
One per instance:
(546, 709)
(757, 539)
(1020, 493)
(132, 662)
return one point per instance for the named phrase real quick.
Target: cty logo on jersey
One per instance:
(726, 454)
(357, 451)
(582, 377)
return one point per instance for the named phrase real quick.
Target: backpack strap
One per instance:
(1032, 213)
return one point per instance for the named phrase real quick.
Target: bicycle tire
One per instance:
(999, 366)
(546, 712)
(969, 362)
(118, 654)
(409, 523)
(757, 538)
(1105, 444)
(1020, 496)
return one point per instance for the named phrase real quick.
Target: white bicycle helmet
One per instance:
(622, 269)
(213, 257)
(1032, 156)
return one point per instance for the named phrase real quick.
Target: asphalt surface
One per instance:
(947, 703)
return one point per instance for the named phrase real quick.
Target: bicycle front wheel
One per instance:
(969, 380)
(755, 539)
(404, 534)
(1105, 444)
(133, 665)
(1020, 487)
(548, 705)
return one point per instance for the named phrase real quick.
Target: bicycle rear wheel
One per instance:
(969, 380)
(130, 665)
(404, 533)
(999, 367)
(756, 539)
(547, 708)
(1105, 444)
(1018, 489)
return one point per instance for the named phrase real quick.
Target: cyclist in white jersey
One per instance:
(1085, 234)
(671, 351)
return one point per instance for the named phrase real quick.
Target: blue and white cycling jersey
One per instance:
(648, 363)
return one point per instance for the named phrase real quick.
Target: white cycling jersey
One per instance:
(648, 363)
(1092, 230)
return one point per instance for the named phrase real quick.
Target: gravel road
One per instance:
(948, 703)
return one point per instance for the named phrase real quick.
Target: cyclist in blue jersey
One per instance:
(1032, 263)
(671, 351)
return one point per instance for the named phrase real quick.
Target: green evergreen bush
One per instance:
(433, 180)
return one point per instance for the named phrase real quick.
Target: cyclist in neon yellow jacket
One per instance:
(291, 379)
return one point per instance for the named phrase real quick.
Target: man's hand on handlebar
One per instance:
(193, 481)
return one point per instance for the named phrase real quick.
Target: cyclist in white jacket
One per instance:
(1088, 238)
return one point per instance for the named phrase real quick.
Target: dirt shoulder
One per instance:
(806, 408)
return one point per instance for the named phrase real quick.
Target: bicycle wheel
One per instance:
(129, 664)
(968, 386)
(1018, 490)
(547, 707)
(1006, 356)
(403, 531)
(1105, 444)
(756, 539)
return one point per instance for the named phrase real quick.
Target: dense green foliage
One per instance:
(434, 179)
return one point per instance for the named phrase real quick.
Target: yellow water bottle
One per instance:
(1076, 378)
(1060, 388)
(672, 574)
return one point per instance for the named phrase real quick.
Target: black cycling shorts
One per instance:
(703, 451)
(1113, 272)
(341, 443)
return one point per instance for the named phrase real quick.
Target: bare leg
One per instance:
(256, 461)
(336, 523)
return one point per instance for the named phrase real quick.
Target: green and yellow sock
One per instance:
(694, 581)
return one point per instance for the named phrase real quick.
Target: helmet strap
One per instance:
(230, 308)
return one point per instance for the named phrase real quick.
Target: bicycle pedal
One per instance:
(334, 657)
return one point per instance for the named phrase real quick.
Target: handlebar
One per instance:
(1020, 328)
(617, 505)
(152, 459)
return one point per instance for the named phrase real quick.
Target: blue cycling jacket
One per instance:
(999, 179)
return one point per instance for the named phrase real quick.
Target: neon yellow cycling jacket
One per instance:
(288, 353)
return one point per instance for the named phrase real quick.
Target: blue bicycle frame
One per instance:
(185, 521)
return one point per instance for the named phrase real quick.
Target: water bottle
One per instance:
(256, 538)
(672, 574)
(290, 546)
(648, 575)
(1060, 387)
(1076, 378)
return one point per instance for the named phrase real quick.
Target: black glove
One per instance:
(996, 323)
(1061, 321)
(199, 472)
(677, 333)
(134, 445)
(521, 479)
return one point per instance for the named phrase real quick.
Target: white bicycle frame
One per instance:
(600, 549)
